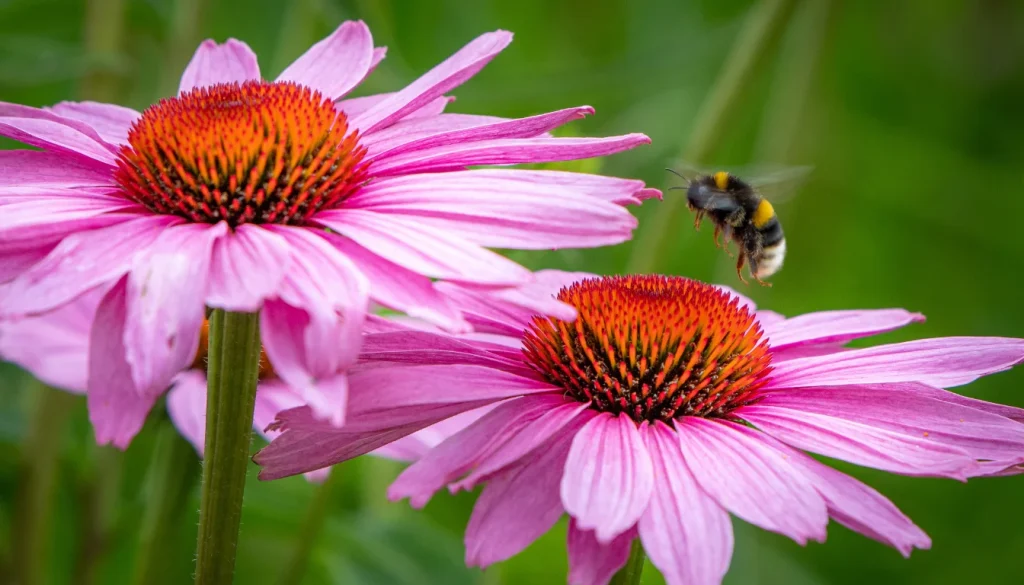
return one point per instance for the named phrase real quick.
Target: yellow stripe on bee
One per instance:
(721, 179)
(763, 213)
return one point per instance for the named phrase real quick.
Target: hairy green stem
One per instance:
(759, 31)
(34, 515)
(234, 361)
(312, 524)
(630, 573)
(169, 480)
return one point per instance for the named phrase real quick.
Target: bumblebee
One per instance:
(741, 213)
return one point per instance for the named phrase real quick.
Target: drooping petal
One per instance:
(686, 534)
(594, 563)
(497, 213)
(517, 506)
(504, 151)
(54, 133)
(860, 443)
(186, 405)
(563, 416)
(983, 435)
(751, 476)
(608, 476)
(212, 63)
(110, 121)
(272, 397)
(464, 449)
(310, 354)
(33, 224)
(81, 262)
(116, 410)
(53, 346)
(862, 509)
(416, 347)
(248, 266)
(449, 74)
(483, 130)
(352, 107)
(401, 289)
(837, 326)
(1010, 412)
(27, 169)
(337, 63)
(423, 249)
(944, 362)
(166, 288)
(417, 127)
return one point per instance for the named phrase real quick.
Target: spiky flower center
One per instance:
(652, 347)
(255, 152)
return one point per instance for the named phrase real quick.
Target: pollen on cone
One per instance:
(652, 347)
(255, 152)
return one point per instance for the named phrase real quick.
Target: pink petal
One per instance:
(419, 127)
(272, 396)
(321, 279)
(1010, 412)
(34, 223)
(517, 506)
(861, 443)
(336, 64)
(418, 444)
(248, 266)
(686, 534)
(451, 73)
(186, 405)
(752, 477)
(862, 509)
(483, 130)
(308, 444)
(565, 415)
(110, 121)
(353, 107)
(212, 63)
(412, 347)
(166, 288)
(311, 354)
(466, 448)
(53, 346)
(611, 189)
(33, 168)
(942, 362)
(56, 134)
(496, 213)
(608, 476)
(837, 326)
(423, 249)
(504, 151)
(13, 264)
(402, 290)
(592, 562)
(116, 410)
(81, 262)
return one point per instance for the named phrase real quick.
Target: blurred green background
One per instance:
(910, 112)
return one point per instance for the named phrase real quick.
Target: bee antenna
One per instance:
(676, 174)
(676, 188)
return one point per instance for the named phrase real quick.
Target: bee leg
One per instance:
(762, 283)
(696, 221)
(739, 267)
(718, 233)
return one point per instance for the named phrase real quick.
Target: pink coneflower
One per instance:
(667, 405)
(244, 194)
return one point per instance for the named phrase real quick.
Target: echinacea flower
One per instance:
(666, 406)
(244, 194)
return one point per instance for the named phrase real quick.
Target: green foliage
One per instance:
(911, 118)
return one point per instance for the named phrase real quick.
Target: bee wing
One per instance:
(779, 184)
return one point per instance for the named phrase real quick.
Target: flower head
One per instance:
(666, 406)
(286, 197)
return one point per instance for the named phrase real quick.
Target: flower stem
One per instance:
(312, 524)
(630, 573)
(170, 478)
(41, 466)
(234, 360)
(761, 28)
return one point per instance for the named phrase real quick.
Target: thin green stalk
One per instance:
(630, 574)
(183, 38)
(169, 480)
(40, 468)
(104, 25)
(312, 524)
(234, 361)
(760, 30)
